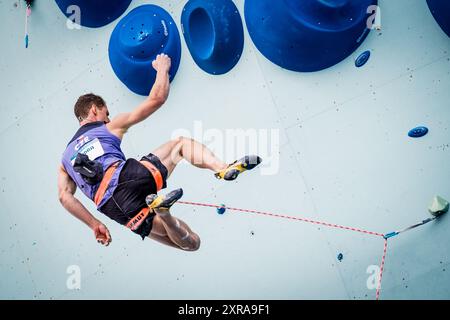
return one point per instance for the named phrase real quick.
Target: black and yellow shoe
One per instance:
(237, 167)
(163, 202)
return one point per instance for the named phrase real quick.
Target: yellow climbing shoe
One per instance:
(163, 202)
(237, 167)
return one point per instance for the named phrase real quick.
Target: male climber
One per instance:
(123, 189)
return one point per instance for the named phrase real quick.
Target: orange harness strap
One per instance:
(137, 220)
(110, 172)
(105, 183)
(155, 173)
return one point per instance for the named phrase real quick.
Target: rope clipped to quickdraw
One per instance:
(29, 4)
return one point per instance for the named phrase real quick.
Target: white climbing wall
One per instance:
(343, 153)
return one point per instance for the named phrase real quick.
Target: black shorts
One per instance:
(134, 185)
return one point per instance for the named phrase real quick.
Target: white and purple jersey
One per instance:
(99, 144)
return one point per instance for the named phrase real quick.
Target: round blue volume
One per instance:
(418, 132)
(362, 59)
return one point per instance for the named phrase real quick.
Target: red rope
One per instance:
(382, 268)
(285, 217)
(309, 221)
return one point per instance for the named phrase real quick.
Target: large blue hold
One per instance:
(308, 35)
(441, 12)
(138, 38)
(214, 34)
(94, 13)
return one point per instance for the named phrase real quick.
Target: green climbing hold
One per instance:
(438, 206)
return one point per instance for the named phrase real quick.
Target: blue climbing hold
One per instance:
(418, 132)
(362, 59)
(137, 39)
(340, 256)
(221, 209)
(214, 34)
(440, 9)
(93, 14)
(307, 35)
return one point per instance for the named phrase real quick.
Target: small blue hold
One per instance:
(340, 256)
(221, 209)
(418, 132)
(362, 59)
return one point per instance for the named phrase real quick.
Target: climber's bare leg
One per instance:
(173, 232)
(172, 152)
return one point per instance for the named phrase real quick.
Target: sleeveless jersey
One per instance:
(94, 140)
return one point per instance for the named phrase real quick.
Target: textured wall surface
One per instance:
(343, 152)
